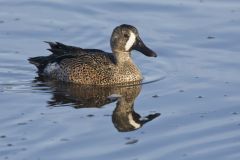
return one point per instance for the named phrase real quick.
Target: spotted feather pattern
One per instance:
(87, 66)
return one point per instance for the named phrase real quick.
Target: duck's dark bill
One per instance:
(141, 47)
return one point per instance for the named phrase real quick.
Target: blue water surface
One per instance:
(192, 104)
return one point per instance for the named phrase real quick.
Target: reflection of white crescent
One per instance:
(132, 122)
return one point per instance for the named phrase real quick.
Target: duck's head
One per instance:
(125, 38)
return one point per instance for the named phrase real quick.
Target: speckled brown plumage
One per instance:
(93, 66)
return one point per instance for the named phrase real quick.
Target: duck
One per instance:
(93, 66)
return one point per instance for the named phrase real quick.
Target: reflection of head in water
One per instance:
(125, 119)
(84, 96)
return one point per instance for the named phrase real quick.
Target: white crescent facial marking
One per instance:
(51, 67)
(130, 42)
(132, 122)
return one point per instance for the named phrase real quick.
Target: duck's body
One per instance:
(92, 66)
(86, 66)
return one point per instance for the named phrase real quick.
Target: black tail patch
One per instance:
(40, 62)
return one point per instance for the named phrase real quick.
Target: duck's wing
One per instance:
(59, 49)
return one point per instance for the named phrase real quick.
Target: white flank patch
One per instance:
(51, 67)
(132, 122)
(114, 97)
(130, 41)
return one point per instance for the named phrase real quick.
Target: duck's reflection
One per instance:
(124, 117)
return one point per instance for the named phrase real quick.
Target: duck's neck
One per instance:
(121, 57)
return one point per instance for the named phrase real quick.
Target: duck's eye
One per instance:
(126, 35)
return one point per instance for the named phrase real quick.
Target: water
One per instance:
(190, 110)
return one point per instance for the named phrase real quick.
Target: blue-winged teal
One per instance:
(93, 66)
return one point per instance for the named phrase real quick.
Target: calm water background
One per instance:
(197, 92)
